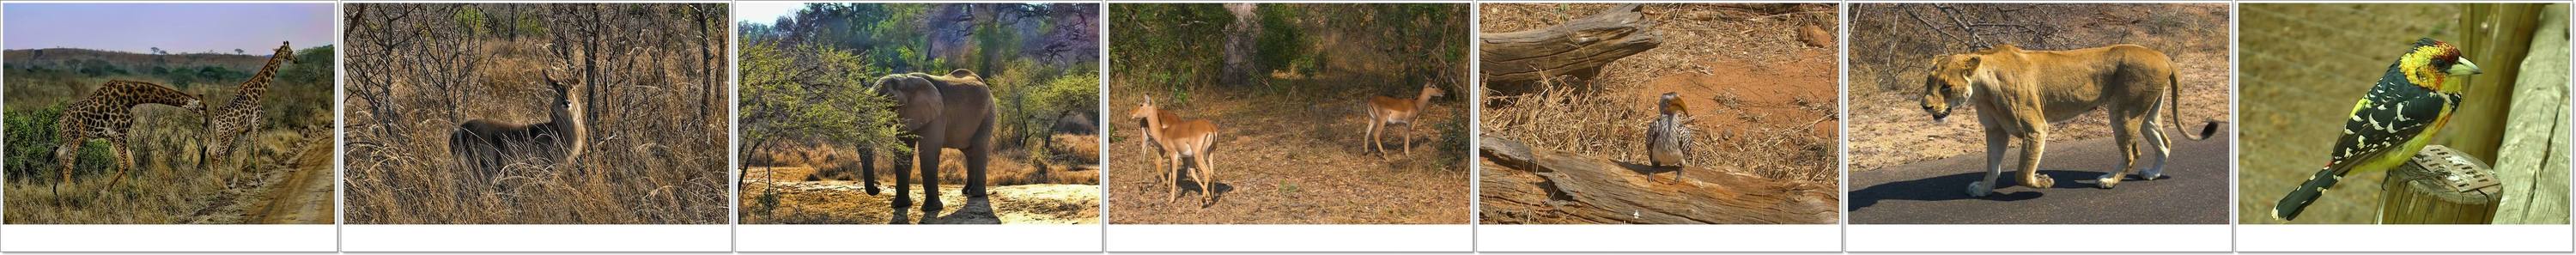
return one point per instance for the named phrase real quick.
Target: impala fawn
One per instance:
(1179, 138)
(1385, 111)
(482, 146)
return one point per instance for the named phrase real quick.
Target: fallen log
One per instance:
(1575, 189)
(1514, 62)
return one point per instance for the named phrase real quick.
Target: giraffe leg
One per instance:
(125, 161)
(63, 157)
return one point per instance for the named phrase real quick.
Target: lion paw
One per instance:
(2108, 180)
(2151, 173)
(2042, 182)
(1979, 189)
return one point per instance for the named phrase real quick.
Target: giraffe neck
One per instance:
(138, 93)
(258, 83)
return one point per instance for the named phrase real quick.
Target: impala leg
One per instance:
(1408, 139)
(1174, 193)
(1370, 144)
(1207, 172)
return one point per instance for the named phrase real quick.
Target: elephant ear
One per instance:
(963, 74)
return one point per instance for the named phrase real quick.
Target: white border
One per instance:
(2402, 238)
(917, 238)
(2044, 238)
(168, 238)
(535, 238)
(1290, 238)
(1659, 238)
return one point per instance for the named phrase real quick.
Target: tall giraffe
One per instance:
(108, 113)
(234, 119)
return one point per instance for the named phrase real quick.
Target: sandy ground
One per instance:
(847, 202)
(1760, 97)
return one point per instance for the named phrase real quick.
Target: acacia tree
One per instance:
(812, 93)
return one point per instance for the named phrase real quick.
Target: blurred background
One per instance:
(2305, 65)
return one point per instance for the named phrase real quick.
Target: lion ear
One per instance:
(1972, 61)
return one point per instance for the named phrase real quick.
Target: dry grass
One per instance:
(259, 187)
(1289, 148)
(1775, 119)
(1891, 51)
(652, 159)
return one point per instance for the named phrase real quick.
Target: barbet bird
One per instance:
(2402, 113)
(1667, 141)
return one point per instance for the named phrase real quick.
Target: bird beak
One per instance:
(2466, 68)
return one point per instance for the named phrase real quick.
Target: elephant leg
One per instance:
(903, 177)
(1995, 147)
(928, 152)
(868, 169)
(976, 157)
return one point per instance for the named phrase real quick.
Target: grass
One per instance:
(651, 158)
(164, 187)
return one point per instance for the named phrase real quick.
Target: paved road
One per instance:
(2193, 191)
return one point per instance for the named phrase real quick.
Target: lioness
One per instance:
(2019, 93)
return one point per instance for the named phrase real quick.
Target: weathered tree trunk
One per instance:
(1515, 61)
(1574, 189)
(1239, 44)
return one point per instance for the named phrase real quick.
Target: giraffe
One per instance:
(107, 113)
(232, 120)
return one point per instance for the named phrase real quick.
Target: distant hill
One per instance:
(65, 57)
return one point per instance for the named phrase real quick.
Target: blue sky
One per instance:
(175, 27)
(764, 12)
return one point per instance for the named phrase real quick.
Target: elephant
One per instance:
(953, 112)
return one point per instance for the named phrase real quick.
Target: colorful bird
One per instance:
(2402, 113)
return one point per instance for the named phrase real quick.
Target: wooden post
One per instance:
(2440, 186)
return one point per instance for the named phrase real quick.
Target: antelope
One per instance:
(483, 145)
(1179, 138)
(1384, 110)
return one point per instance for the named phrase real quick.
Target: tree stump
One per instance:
(2440, 186)
(1514, 62)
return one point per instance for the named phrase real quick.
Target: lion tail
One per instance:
(2173, 110)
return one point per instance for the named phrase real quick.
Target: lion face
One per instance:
(1948, 86)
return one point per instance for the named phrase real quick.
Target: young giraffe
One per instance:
(234, 119)
(108, 114)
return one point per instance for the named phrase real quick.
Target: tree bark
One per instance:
(1575, 189)
(1514, 62)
